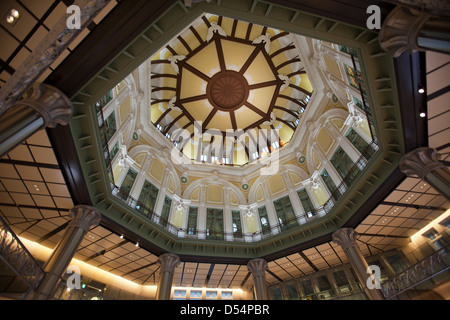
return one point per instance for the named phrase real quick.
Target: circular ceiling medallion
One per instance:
(227, 90)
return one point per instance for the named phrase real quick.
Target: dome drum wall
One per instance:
(172, 119)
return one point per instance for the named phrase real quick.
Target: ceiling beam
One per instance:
(30, 164)
(109, 38)
(52, 233)
(308, 261)
(66, 154)
(194, 70)
(185, 44)
(292, 113)
(411, 205)
(220, 53)
(274, 275)
(286, 63)
(250, 59)
(281, 50)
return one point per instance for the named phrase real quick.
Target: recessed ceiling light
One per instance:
(12, 16)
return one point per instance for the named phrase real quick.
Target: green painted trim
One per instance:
(384, 103)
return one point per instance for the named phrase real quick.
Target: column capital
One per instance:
(52, 104)
(420, 162)
(257, 267)
(345, 237)
(168, 262)
(400, 29)
(84, 216)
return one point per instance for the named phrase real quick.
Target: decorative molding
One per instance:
(168, 262)
(53, 105)
(84, 217)
(48, 50)
(420, 162)
(346, 238)
(400, 29)
(435, 7)
(257, 267)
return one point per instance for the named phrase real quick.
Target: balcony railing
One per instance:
(259, 235)
(14, 254)
(420, 272)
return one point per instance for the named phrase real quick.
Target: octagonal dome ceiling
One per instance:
(223, 79)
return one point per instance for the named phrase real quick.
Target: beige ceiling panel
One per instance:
(43, 201)
(56, 15)
(20, 153)
(38, 8)
(58, 189)
(63, 203)
(259, 71)
(199, 110)
(221, 121)
(206, 61)
(236, 54)
(191, 85)
(14, 185)
(43, 155)
(52, 175)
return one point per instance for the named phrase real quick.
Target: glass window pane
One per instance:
(264, 220)
(306, 202)
(323, 282)
(277, 294)
(164, 219)
(147, 198)
(307, 287)
(292, 291)
(192, 220)
(237, 226)
(285, 213)
(341, 279)
(363, 147)
(214, 224)
(344, 166)
(110, 126)
(127, 184)
(335, 192)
